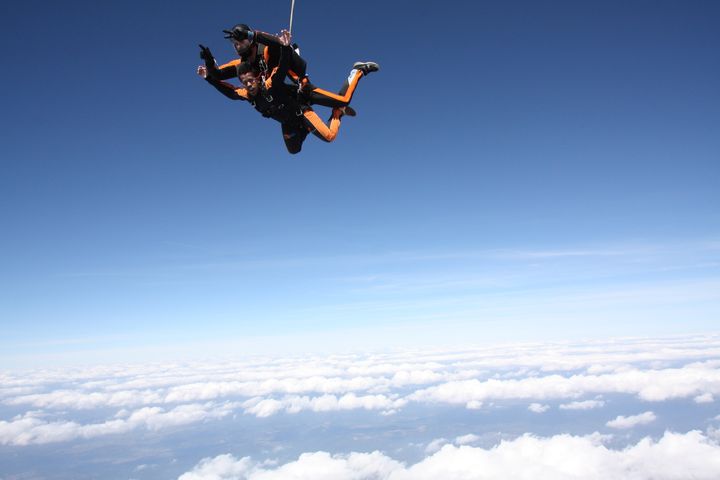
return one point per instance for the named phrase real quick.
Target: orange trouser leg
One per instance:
(319, 96)
(324, 132)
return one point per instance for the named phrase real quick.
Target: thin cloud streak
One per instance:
(230, 261)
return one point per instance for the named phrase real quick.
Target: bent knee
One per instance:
(328, 137)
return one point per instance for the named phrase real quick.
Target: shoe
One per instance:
(340, 112)
(366, 67)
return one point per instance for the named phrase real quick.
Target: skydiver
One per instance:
(275, 99)
(262, 50)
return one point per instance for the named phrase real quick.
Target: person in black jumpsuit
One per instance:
(260, 49)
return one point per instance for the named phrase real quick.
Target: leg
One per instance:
(294, 137)
(318, 96)
(324, 132)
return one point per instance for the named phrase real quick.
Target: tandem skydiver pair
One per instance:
(264, 62)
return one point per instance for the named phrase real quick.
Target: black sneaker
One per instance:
(340, 112)
(366, 67)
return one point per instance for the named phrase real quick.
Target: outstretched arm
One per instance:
(226, 71)
(242, 32)
(227, 89)
(282, 40)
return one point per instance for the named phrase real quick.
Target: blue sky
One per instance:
(516, 169)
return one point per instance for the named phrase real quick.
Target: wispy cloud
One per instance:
(623, 423)
(538, 407)
(582, 405)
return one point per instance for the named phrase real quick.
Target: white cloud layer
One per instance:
(31, 428)
(543, 375)
(562, 457)
(649, 385)
(265, 407)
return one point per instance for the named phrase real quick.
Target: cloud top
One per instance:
(560, 376)
(673, 457)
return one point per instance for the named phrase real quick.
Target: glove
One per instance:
(238, 32)
(207, 56)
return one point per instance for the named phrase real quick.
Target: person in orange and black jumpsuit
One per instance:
(262, 51)
(275, 99)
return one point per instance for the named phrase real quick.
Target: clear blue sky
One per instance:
(541, 167)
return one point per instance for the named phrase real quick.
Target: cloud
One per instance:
(452, 385)
(222, 467)
(624, 423)
(673, 457)
(466, 439)
(582, 405)
(651, 369)
(265, 407)
(538, 408)
(704, 398)
(79, 400)
(315, 466)
(33, 429)
(649, 385)
(614, 364)
(435, 445)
